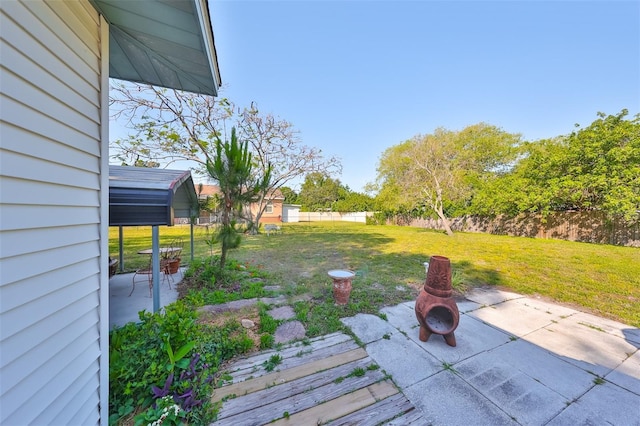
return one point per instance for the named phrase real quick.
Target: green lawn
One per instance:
(600, 278)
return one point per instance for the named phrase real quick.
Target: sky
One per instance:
(357, 77)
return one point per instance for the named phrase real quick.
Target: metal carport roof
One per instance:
(141, 196)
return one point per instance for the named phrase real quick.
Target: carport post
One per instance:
(121, 247)
(155, 267)
(191, 239)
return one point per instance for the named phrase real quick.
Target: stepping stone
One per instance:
(288, 331)
(236, 305)
(282, 313)
(271, 288)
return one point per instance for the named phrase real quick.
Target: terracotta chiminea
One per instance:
(436, 310)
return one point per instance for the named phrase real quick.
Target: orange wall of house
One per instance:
(275, 217)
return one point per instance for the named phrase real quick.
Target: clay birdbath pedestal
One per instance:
(341, 285)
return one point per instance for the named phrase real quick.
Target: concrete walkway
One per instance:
(518, 360)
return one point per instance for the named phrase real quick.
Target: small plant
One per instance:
(164, 412)
(386, 336)
(383, 316)
(178, 358)
(267, 323)
(285, 414)
(373, 367)
(266, 341)
(598, 381)
(448, 367)
(272, 362)
(357, 372)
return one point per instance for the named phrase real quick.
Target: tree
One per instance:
(290, 196)
(274, 141)
(438, 170)
(320, 192)
(232, 167)
(593, 168)
(171, 125)
(354, 202)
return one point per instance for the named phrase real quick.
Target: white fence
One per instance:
(360, 217)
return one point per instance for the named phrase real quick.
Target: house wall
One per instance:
(275, 216)
(52, 257)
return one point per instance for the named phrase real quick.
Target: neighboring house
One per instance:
(272, 213)
(56, 59)
(273, 210)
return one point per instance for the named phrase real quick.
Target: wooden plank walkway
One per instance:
(327, 380)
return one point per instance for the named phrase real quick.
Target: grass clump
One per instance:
(273, 361)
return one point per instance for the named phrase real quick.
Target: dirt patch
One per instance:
(220, 319)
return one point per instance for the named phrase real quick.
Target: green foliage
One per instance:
(266, 341)
(143, 356)
(290, 196)
(267, 323)
(270, 364)
(594, 168)
(320, 192)
(354, 202)
(356, 372)
(439, 172)
(211, 285)
(232, 168)
(165, 411)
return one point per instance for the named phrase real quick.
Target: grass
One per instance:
(388, 260)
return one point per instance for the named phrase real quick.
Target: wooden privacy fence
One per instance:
(590, 227)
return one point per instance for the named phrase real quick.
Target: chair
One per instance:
(148, 271)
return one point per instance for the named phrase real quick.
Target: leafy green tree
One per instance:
(593, 168)
(441, 170)
(601, 169)
(354, 202)
(231, 167)
(320, 192)
(290, 196)
(527, 187)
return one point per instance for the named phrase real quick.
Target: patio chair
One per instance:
(148, 271)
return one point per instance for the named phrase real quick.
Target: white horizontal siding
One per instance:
(15, 61)
(50, 43)
(50, 299)
(18, 191)
(23, 117)
(15, 139)
(19, 293)
(44, 239)
(38, 169)
(50, 204)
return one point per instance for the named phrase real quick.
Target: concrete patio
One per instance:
(518, 360)
(124, 308)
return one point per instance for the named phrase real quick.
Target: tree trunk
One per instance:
(445, 221)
